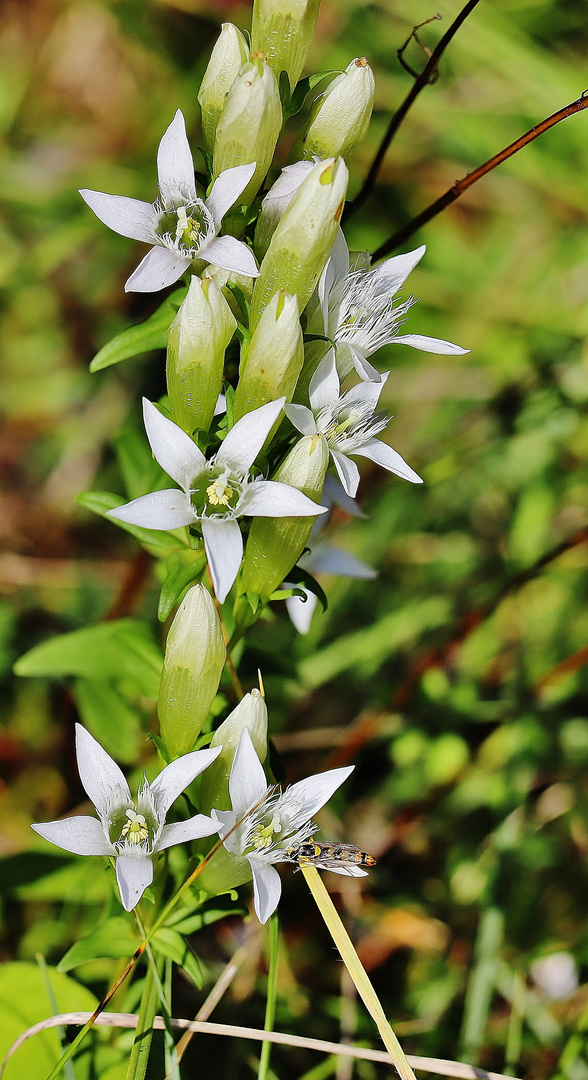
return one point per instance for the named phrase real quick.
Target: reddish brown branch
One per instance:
(460, 186)
(421, 81)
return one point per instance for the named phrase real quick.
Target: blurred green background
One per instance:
(456, 682)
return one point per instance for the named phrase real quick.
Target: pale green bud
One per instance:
(196, 347)
(302, 241)
(251, 715)
(227, 58)
(272, 362)
(195, 654)
(223, 278)
(283, 30)
(279, 196)
(250, 124)
(340, 117)
(275, 544)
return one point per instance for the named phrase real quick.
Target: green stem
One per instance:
(481, 982)
(356, 969)
(270, 1005)
(139, 1058)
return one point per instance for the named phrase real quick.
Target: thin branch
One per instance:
(422, 80)
(462, 185)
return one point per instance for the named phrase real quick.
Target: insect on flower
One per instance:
(339, 858)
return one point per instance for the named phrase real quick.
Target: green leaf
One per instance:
(115, 937)
(285, 92)
(170, 943)
(121, 649)
(100, 502)
(187, 922)
(183, 568)
(111, 719)
(140, 471)
(302, 89)
(147, 336)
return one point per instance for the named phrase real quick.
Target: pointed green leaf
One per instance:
(183, 568)
(115, 937)
(147, 336)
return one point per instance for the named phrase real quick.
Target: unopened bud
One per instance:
(302, 241)
(227, 58)
(195, 654)
(340, 117)
(279, 196)
(251, 715)
(275, 544)
(283, 30)
(250, 124)
(271, 365)
(196, 347)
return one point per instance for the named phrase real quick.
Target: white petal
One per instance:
(103, 781)
(169, 509)
(364, 369)
(302, 418)
(226, 190)
(429, 344)
(346, 871)
(269, 498)
(244, 441)
(81, 835)
(157, 270)
(224, 550)
(175, 168)
(247, 782)
(324, 386)
(347, 471)
(175, 451)
(333, 492)
(366, 393)
(339, 256)
(175, 777)
(394, 271)
(133, 874)
(179, 832)
(301, 611)
(230, 254)
(389, 459)
(267, 889)
(315, 791)
(332, 560)
(129, 217)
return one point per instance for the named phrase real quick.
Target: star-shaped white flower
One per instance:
(359, 312)
(180, 225)
(280, 821)
(131, 831)
(348, 423)
(214, 492)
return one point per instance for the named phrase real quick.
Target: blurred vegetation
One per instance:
(457, 682)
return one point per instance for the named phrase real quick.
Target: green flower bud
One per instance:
(279, 196)
(275, 544)
(227, 57)
(195, 654)
(271, 365)
(250, 124)
(283, 30)
(302, 241)
(250, 713)
(340, 117)
(196, 347)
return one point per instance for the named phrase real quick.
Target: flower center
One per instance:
(183, 227)
(262, 835)
(218, 492)
(135, 831)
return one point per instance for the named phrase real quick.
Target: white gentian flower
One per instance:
(214, 492)
(348, 423)
(359, 312)
(323, 559)
(131, 831)
(272, 821)
(180, 226)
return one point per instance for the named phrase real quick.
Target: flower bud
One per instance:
(250, 124)
(195, 653)
(223, 278)
(279, 196)
(275, 544)
(283, 30)
(340, 117)
(250, 713)
(302, 241)
(271, 365)
(227, 57)
(196, 347)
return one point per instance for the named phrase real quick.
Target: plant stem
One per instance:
(356, 969)
(270, 1004)
(139, 1058)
